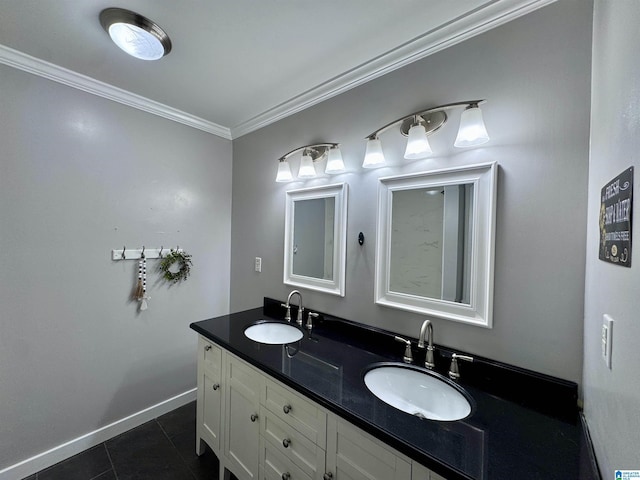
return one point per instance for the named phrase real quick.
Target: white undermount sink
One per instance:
(273, 333)
(418, 392)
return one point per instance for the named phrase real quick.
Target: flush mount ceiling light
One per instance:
(311, 154)
(135, 34)
(419, 125)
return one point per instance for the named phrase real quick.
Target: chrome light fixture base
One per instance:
(144, 38)
(471, 131)
(432, 121)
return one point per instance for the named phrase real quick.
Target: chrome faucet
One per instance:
(427, 328)
(287, 305)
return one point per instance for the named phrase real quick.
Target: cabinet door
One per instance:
(355, 455)
(209, 397)
(242, 429)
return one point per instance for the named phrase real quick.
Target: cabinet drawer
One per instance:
(301, 414)
(276, 466)
(308, 456)
(211, 356)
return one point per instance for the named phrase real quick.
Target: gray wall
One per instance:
(79, 176)
(612, 397)
(535, 73)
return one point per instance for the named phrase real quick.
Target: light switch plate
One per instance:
(607, 337)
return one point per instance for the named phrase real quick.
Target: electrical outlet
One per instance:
(607, 337)
(258, 264)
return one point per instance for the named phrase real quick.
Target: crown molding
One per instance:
(473, 23)
(27, 63)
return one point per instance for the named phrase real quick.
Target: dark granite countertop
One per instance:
(533, 433)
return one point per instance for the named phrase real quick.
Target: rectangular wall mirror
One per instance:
(315, 238)
(435, 243)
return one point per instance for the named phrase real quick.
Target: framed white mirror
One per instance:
(315, 237)
(435, 243)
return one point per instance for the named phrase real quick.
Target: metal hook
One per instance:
(124, 248)
(160, 254)
(142, 254)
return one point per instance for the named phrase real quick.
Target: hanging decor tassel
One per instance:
(143, 297)
(139, 292)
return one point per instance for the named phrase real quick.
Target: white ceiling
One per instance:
(238, 65)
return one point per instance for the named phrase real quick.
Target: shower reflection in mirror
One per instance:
(435, 243)
(430, 242)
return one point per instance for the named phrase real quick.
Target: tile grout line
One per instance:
(113, 467)
(176, 450)
(102, 473)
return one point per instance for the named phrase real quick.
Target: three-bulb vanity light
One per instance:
(311, 154)
(419, 125)
(135, 34)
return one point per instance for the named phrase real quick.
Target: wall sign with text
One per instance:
(616, 201)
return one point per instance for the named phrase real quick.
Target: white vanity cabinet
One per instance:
(261, 429)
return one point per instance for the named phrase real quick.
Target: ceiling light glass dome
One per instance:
(135, 34)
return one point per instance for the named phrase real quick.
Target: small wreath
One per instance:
(183, 259)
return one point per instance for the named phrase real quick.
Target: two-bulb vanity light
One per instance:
(417, 126)
(311, 154)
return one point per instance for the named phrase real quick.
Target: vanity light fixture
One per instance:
(311, 154)
(136, 35)
(419, 125)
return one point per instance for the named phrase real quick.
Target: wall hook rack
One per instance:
(136, 253)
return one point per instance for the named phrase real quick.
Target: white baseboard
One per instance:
(61, 452)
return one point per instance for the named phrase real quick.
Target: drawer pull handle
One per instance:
(254, 417)
(207, 348)
(286, 409)
(216, 386)
(328, 476)
(286, 442)
(286, 476)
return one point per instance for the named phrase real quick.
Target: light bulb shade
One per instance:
(373, 156)
(284, 172)
(307, 169)
(136, 35)
(472, 130)
(417, 143)
(335, 164)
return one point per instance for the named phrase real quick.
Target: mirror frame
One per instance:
(339, 192)
(479, 311)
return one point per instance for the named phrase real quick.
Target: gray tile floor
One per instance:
(162, 449)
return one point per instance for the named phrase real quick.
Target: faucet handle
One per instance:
(311, 316)
(454, 373)
(408, 357)
(287, 315)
